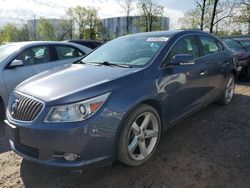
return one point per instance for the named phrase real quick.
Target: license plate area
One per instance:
(10, 131)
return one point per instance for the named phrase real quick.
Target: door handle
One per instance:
(202, 73)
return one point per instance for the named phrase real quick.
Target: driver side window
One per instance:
(35, 55)
(186, 45)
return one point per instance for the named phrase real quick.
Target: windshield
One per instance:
(6, 50)
(135, 51)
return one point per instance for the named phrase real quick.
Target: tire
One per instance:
(2, 110)
(228, 93)
(139, 136)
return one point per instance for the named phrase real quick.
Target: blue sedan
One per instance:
(116, 101)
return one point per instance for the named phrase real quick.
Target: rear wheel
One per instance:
(140, 136)
(228, 92)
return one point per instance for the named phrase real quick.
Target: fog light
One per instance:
(70, 156)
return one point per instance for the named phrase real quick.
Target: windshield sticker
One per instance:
(157, 39)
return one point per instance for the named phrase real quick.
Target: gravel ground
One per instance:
(209, 149)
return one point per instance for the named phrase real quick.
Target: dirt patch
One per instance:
(209, 149)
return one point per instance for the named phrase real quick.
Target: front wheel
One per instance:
(139, 136)
(228, 92)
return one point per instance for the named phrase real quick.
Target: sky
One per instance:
(18, 11)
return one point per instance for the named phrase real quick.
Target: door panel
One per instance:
(182, 86)
(12, 77)
(213, 62)
(35, 60)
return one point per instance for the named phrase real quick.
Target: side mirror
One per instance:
(16, 63)
(183, 59)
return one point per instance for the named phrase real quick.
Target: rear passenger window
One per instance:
(209, 45)
(67, 52)
(186, 45)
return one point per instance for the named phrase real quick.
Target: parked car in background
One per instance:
(116, 101)
(93, 44)
(241, 45)
(19, 61)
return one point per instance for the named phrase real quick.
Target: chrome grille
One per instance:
(25, 109)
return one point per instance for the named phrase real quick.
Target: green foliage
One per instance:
(236, 32)
(23, 34)
(1, 37)
(223, 33)
(86, 20)
(127, 6)
(151, 15)
(79, 15)
(93, 24)
(67, 28)
(244, 16)
(191, 19)
(210, 15)
(46, 30)
(11, 33)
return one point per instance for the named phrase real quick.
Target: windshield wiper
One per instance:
(106, 63)
(87, 63)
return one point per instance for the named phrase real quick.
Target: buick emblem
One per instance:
(14, 107)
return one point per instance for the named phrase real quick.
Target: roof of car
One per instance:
(32, 43)
(37, 43)
(171, 32)
(83, 40)
(236, 37)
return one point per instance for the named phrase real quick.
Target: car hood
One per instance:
(69, 79)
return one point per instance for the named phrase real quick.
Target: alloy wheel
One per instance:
(143, 136)
(230, 89)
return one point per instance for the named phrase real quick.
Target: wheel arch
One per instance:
(151, 102)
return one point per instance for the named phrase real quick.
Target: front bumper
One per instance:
(93, 142)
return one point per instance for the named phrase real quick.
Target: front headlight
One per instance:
(76, 112)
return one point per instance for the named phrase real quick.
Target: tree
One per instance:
(223, 11)
(209, 15)
(79, 15)
(93, 23)
(202, 6)
(215, 4)
(46, 30)
(244, 16)
(127, 6)
(191, 19)
(10, 33)
(23, 33)
(1, 37)
(151, 13)
(197, 18)
(67, 27)
(86, 20)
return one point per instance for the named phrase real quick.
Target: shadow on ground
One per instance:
(209, 149)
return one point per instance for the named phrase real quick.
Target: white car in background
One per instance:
(21, 60)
